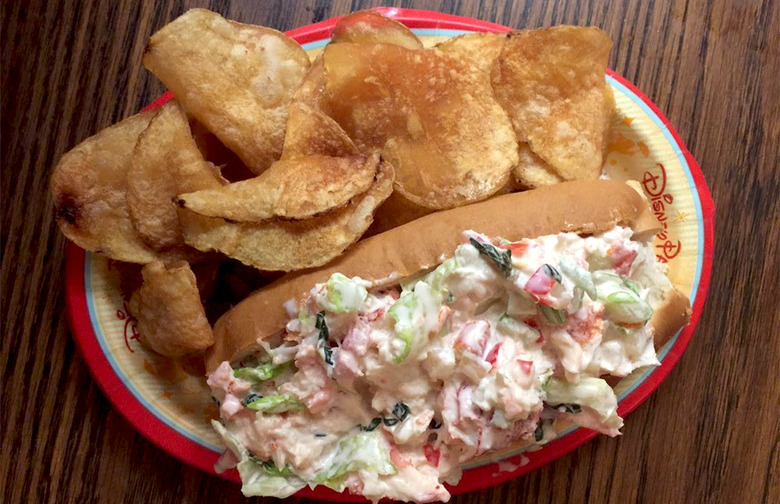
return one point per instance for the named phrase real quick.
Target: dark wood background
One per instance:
(709, 434)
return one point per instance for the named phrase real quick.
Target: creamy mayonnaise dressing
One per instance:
(386, 392)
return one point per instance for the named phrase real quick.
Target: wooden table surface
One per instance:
(711, 433)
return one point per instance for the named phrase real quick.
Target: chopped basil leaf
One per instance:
(328, 352)
(400, 411)
(555, 317)
(501, 258)
(373, 425)
(322, 326)
(539, 432)
(269, 467)
(252, 397)
(552, 273)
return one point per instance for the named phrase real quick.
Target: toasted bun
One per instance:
(673, 313)
(584, 207)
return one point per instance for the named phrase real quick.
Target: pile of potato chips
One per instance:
(282, 163)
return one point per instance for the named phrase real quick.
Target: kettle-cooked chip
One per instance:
(165, 162)
(171, 318)
(432, 115)
(293, 245)
(215, 152)
(89, 185)
(551, 82)
(310, 132)
(237, 79)
(369, 27)
(531, 171)
(481, 49)
(291, 189)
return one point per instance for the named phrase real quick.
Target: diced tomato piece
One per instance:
(540, 284)
(376, 315)
(432, 455)
(622, 257)
(492, 355)
(473, 336)
(517, 248)
(525, 365)
(398, 460)
(534, 325)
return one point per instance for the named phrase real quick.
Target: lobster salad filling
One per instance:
(386, 392)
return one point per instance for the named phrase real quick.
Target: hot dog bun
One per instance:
(584, 207)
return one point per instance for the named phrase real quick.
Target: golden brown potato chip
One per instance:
(531, 171)
(236, 79)
(171, 319)
(481, 49)
(551, 82)
(311, 91)
(433, 116)
(230, 166)
(369, 27)
(88, 188)
(310, 132)
(293, 245)
(165, 162)
(290, 189)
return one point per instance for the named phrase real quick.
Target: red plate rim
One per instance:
(477, 478)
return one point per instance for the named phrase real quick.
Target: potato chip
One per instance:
(369, 27)
(481, 49)
(293, 245)
(236, 79)
(88, 187)
(214, 151)
(551, 82)
(165, 162)
(311, 91)
(310, 132)
(531, 171)
(433, 116)
(171, 318)
(290, 189)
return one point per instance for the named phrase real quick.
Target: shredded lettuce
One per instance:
(261, 373)
(342, 294)
(259, 481)
(415, 313)
(438, 277)
(622, 303)
(579, 276)
(402, 312)
(590, 392)
(364, 451)
(276, 404)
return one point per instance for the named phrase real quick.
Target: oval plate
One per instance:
(170, 404)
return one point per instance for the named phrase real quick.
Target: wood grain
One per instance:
(711, 433)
